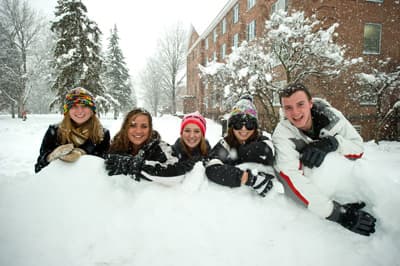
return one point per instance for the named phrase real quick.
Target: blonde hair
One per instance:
(96, 133)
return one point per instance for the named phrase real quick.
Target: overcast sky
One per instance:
(140, 23)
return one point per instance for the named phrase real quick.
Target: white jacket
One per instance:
(286, 138)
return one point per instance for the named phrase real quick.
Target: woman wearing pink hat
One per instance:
(192, 143)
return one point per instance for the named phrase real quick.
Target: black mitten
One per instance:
(314, 153)
(353, 218)
(262, 182)
(117, 164)
(257, 152)
(187, 165)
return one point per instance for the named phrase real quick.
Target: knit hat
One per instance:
(79, 96)
(194, 118)
(244, 107)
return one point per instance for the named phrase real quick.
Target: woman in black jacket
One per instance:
(192, 144)
(80, 132)
(244, 143)
(137, 150)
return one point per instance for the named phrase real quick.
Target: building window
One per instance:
(236, 14)
(368, 97)
(223, 26)
(206, 43)
(215, 35)
(250, 4)
(372, 38)
(236, 40)
(376, 1)
(279, 5)
(215, 56)
(251, 30)
(223, 51)
(357, 128)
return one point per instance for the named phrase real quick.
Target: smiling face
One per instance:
(139, 129)
(297, 109)
(243, 134)
(80, 113)
(191, 135)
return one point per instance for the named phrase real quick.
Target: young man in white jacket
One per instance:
(311, 129)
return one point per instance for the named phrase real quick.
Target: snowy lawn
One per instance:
(74, 214)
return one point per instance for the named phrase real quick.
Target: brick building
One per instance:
(369, 29)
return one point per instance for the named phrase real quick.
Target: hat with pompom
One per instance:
(79, 96)
(194, 118)
(244, 107)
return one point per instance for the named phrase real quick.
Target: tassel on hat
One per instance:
(194, 118)
(79, 96)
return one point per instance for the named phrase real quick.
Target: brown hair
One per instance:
(202, 146)
(290, 89)
(120, 142)
(232, 140)
(96, 133)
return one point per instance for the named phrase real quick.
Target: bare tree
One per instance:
(151, 85)
(22, 25)
(172, 58)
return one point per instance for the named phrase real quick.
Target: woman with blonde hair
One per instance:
(80, 132)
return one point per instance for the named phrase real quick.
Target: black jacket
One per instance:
(178, 151)
(221, 166)
(50, 142)
(160, 161)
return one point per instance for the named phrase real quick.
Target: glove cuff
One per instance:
(251, 179)
(337, 212)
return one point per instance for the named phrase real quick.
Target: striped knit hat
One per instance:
(194, 118)
(79, 96)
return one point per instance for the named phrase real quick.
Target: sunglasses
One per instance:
(249, 124)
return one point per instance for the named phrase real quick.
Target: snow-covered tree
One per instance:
(172, 57)
(116, 77)
(20, 26)
(383, 90)
(293, 48)
(77, 54)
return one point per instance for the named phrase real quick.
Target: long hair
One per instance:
(121, 143)
(202, 147)
(234, 143)
(96, 133)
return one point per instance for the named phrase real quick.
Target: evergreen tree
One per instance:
(117, 79)
(77, 52)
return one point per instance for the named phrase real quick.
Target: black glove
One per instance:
(117, 164)
(262, 182)
(256, 152)
(313, 154)
(353, 218)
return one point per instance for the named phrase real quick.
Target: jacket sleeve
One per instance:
(258, 151)
(49, 143)
(220, 167)
(161, 163)
(350, 142)
(288, 166)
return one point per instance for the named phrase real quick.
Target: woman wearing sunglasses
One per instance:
(243, 143)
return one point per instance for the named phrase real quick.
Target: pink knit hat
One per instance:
(194, 118)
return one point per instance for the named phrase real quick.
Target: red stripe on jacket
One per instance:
(293, 188)
(354, 156)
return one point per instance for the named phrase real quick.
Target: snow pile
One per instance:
(74, 214)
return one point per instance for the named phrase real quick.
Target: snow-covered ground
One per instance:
(74, 214)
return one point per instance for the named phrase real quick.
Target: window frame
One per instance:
(251, 30)
(370, 52)
(236, 14)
